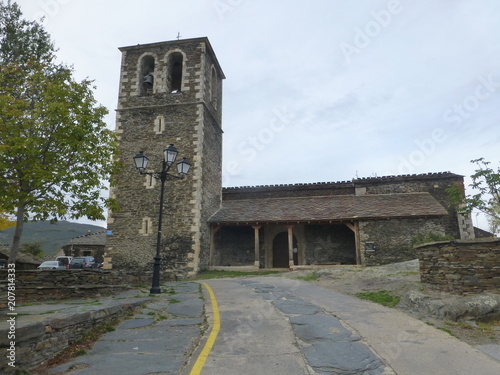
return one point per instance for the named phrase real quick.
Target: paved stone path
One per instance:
(274, 326)
(148, 342)
(328, 346)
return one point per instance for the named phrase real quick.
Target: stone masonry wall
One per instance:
(461, 266)
(389, 241)
(329, 244)
(46, 285)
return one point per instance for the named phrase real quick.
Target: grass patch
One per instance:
(447, 330)
(215, 274)
(173, 300)
(382, 296)
(80, 352)
(310, 277)
(169, 291)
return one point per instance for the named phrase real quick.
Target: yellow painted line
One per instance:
(200, 362)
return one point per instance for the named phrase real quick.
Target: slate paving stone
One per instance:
(328, 346)
(158, 305)
(135, 323)
(296, 306)
(342, 358)
(180, 322)
(311, 328)
(188, 308)
(136, 364)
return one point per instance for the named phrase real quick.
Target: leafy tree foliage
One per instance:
(486, 183)
(5, 221)
(33, 248)
(55, 150)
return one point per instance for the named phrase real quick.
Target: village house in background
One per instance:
(24, 261)
(171, 93)
(91, 244)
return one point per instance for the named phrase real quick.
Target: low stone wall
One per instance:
(37, 342)
(44, 285)
(461, 266)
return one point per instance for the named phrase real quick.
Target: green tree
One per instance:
(486, 183)
(5, 220)
(56, 153)
(33, 248)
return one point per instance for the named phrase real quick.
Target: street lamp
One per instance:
(141, 163)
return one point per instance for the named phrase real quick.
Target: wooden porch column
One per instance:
(290, 245)
(256, 246)
(213, 230)
(355, 228)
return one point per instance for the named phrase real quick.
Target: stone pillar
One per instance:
(465, 226)
(290, 245)
(257, 241)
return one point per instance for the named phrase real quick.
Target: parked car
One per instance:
(51, 265)
(66, 260)
(82, 262)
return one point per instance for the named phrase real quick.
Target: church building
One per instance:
(170, 93)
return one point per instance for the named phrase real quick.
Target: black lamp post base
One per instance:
(155, 290)
(155, 286)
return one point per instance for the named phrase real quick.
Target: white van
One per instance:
(65, 260)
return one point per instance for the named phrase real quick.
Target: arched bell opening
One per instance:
(175, 69)
(146, 75)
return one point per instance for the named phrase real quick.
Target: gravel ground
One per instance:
(441, 310)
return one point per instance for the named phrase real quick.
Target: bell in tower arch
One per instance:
(147, 81)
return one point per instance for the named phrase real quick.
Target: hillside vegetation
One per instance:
(51, 236)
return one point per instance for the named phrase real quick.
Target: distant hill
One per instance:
(51, 236)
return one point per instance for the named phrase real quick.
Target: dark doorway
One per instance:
(280, 250)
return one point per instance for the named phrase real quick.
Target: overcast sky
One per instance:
(317, 90)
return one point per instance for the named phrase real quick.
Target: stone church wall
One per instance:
(390, 241)
(329, 244)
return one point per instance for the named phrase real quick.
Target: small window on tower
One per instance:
(159, 124)
(147, 227)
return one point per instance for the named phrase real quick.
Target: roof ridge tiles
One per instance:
(361, 179)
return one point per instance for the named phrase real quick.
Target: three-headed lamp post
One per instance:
(141, 163)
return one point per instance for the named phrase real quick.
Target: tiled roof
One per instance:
(21, 256)
(98, 238)
(354, 181)
(328, 208)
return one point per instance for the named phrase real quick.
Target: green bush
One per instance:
(429, 237)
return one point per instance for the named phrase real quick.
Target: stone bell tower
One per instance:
(170, 93)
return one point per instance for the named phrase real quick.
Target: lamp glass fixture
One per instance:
(183, 167)
(170, 153)
(141, 161)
